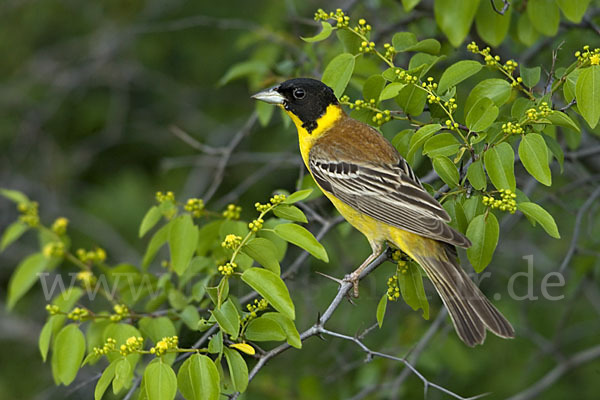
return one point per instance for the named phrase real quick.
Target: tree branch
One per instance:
(504, 6)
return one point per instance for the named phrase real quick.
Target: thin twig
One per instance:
(578, 221)
(504, 7)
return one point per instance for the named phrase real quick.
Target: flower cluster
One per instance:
(366, 47)
(510, 66)
(167, 343)
(511, 128)
(86, 278)
(106, 347)
(195, 207)
(254, 309)
(92, 256)
(517, 81)
(359, 104)
(382, 117)
(451, 124)
(78, 314)
(363, 28)
(451, 105)
(29, 213)
(273, 201)
(405, 77)
(231, 241)
(430, 84)
(390, 51)
(592, 55)
(393, 292)
(342, 19)
(60, 226)
(232, 212)
(256, 225)
(505, 203)
(487, 56)
(52, 309)
(162, 197)
(132, 345)
(121, 312)
(227, 269)
(54, 249)
(542, 111)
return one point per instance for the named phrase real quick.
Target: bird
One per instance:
(374, 188)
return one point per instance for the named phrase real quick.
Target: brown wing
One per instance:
(387, 191)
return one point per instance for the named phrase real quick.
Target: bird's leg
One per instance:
(354, 277)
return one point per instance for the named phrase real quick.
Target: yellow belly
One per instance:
(379, 232)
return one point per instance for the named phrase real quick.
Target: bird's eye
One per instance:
(299, 93)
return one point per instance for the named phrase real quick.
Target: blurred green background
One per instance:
(90, 95)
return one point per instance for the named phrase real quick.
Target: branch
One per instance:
(573, 362)
(578, 220)
(504, 6)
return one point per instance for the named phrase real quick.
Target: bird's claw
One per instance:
(354, 279)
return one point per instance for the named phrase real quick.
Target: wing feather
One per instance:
(390, 193)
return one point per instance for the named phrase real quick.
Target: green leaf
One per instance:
(419, 138)
(491, 26)
(534, 157)
(544, 16)
(289, 212)
(298, 196)
(326, 30)
(292, 335)
(123, 375)
(525, 30)
(476, 175)
(483, 233)
(556, 150)
(390, 91)
(25, 275)
(198, 378)
(446, 170)
(411, 288)
(271, 287)
(264, 252)
(497, 90)
(350, 40)
(429, 46)
(244, 69)
(14, 195)
(183, 239)
(457, 73)
(157, 328)
(238, 370)
(69, 349)
(531, 76)
(412, 99)
(373, 86)
(228, 318)
(105, 379)
(45, 336)
(381, 306)
(338, 72)
(263, 330)
(560, 118)
(499, 162)
(574, 10)
(409, 4)
(160, 382)
(443, 144)
(403, 40)
(264, 111)
(159, 238)
(483, 114)
(301, 237)
(587, 92)
(150, 219)
(454, 17)
(215, 345)
(536, 213)
(13, 232)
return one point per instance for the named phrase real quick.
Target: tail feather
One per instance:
(471, 312)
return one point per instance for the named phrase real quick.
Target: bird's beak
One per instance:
(271, 96)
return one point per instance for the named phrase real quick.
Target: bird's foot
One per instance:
(354, 279)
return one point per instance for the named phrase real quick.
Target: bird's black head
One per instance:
(306, 98)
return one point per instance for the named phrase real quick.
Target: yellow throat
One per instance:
(306, 139)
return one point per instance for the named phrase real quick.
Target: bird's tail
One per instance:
(471, 312)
